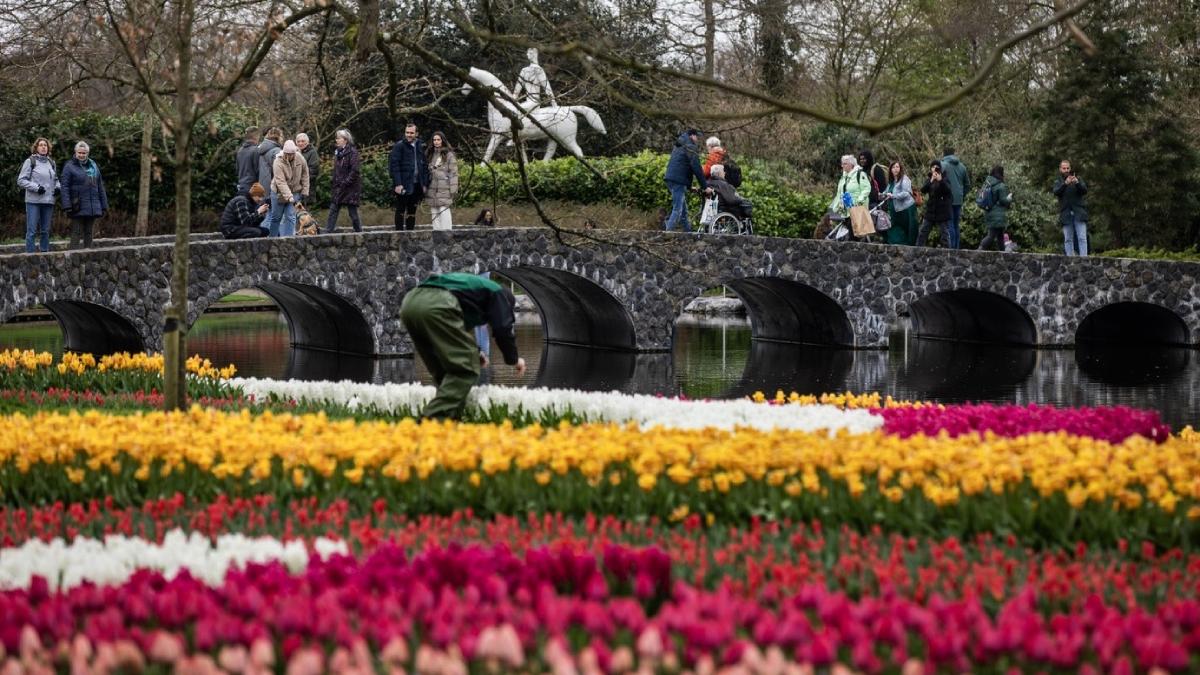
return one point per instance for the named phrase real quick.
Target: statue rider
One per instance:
(533, 84)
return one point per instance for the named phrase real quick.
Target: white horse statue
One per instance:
(559, 121)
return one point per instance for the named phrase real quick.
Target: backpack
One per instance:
(733, 172)
(985, 198)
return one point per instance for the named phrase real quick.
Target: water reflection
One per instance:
(945, 370)
(1134, 365)
(717, 358)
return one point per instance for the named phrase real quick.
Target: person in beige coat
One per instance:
(443, 181)
(289, 182)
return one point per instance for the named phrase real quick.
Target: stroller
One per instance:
(840, 229)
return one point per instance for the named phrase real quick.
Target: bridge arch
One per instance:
(574, 309)
(317, 318)
(91, 328)
(1133, 323)
(971, 315)
(782, 310)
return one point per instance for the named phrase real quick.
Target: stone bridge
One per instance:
(343, 292)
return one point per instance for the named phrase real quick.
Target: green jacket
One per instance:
(957, 177)
(483, 301)
(997, 216)
(858, 184)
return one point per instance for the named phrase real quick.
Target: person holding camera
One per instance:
(939, 206)
(38, 178)
(244, 214)
(1072, 210)
(83, 195)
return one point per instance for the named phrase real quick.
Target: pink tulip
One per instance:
(165, 647)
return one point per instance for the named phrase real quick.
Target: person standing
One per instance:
(1072, 209)
(995, 218)
(902, 207)
(347, 181)
(878, 175)
(268, 151)
(716, 155)
(854, 188)
(683, 165)
(955, 173)
(247, 161)
(244, 214)
(289, 184)
(443, 180)
(38, 177)
(312, 158)
(439, 315)
(938, 206)
(410, 177)
(83, 195)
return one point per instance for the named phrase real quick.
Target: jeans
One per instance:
(334, 210)
(1075, 238)
(406, 209)
(81, 231)
(923, 233)
(678, 207)
(282, 216)
(37, 225)
(955, 221)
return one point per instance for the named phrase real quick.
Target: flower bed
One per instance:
(1053, 487)
(552, 608)
(116, 373)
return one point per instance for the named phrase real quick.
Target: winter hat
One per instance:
(290, 147)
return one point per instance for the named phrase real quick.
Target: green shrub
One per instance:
(1186, 255)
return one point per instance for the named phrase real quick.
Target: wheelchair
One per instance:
(725, 222)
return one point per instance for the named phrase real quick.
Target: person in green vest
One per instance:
(440, 315)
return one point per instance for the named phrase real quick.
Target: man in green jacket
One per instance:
(959, 180)
(440, 315)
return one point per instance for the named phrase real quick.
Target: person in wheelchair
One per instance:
(728, 200)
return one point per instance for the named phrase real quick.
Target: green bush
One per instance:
(1186, 255)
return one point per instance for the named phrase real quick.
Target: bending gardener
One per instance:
(440, 315)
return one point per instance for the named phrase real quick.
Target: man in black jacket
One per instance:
(247, 161)
(1072, 209)
(243, 215)
(410, 176)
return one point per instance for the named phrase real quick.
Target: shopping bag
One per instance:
(860, 221)
(709, 215)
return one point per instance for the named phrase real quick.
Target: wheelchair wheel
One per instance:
(726, 223)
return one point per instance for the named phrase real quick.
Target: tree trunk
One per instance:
(710, 39)
(772, 17)
(175, 323)
(143, 204)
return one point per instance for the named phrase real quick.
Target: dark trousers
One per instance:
(335, 209)
(923, 233)
(81, 231)
(406, 209)
(245, 233)
(994, 241)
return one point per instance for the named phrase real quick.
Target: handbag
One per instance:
(883, 222)
(861, 222)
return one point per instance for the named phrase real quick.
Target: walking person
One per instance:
(878, 175)
(955, 173)
(83, 195)
(244, 214)
(683, 165)
(1072, 209)
(347, 181)
(440, 315)
(410, 177)
(443, 180)
(288, 187)
(902, 207)
(995, 217)
(312, 158)
(247, 161)
(938, 206)
(38, 177)
(854, 189)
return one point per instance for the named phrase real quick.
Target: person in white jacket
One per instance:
(38, 177)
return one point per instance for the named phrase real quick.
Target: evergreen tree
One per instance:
(1108, 116)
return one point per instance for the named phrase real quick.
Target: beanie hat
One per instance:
(290, 147)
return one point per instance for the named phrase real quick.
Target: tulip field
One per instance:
(317, 527)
